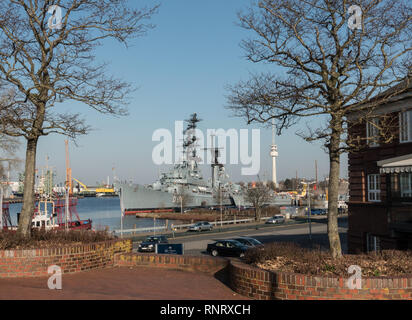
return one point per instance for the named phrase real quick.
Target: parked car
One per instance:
(250, 242)
(201, 226)
(227, 248)
(276, 219)
(149, 244)
(318, 212)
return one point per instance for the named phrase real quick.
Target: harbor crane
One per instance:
(82, 184)
(69, 185)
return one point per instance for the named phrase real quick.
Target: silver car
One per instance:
(276, 220)
(201, 226)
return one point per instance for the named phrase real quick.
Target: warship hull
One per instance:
(137, 198)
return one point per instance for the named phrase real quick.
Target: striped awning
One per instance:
(396, 165)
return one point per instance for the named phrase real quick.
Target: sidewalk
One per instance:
(121, 283)
(216, 230)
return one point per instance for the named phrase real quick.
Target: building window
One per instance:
(401, 187)
(406, 185)
(374, 184)
(372, 132)
(373, 243)
(405, 126)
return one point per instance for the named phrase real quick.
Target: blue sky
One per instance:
(182, 66)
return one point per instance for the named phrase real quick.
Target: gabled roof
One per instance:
(390, 97)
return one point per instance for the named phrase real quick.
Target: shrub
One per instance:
(289, 257)
(53, 238)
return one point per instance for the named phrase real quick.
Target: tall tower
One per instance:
(274, 154)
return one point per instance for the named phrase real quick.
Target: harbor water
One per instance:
(104, 212)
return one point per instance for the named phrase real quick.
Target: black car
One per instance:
(149, 245)
(317, 212)
(250, 242)
(227, 248)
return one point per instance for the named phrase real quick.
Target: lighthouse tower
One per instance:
(273, 154)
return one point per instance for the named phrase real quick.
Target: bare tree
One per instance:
(47, 58)
(328, 64)
(183, 198)
(8, 159)
(258, 196)
(271, 185)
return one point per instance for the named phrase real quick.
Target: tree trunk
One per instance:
(334, 175)
(257, 213)
(26, 214)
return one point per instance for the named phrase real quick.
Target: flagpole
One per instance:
(1, 207)
(66, 223)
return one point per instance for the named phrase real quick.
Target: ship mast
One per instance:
(189, 145)
(215, 165)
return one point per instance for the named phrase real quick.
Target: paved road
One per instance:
(299, 233)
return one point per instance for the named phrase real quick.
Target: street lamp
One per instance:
(181, 204)
(309, 213)
(221, 209)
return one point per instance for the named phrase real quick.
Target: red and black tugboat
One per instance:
(50, 214)
(63, 214)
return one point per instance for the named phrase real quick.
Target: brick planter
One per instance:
(265, 285)
(71, 258)
(205, 264)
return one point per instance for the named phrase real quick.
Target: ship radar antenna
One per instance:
(215, 165)
(190, 143)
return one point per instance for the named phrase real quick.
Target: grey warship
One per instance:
(183, 186)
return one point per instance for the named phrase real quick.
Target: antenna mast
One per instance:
(189, 145)
(274, 154)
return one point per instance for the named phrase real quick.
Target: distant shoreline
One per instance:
(207, 215)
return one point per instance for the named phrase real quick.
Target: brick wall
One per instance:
(205, 264)
(72, 258)
(264, 285)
